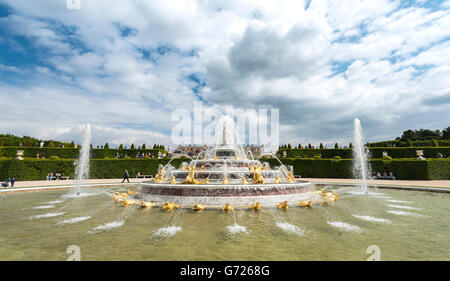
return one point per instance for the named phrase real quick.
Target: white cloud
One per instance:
(250, 54)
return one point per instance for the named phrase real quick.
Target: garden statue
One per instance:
(420, 155)
(19, 155)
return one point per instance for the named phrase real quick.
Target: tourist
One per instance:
(385, 176)
(391, 176)
(49, 178)
(13, 180)
(138, 175)
(37, 155)
(6, 183)
(439, 155)
(379, 177)
(126, 176)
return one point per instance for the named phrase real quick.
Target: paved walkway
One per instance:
(421, 183)
(21, 186)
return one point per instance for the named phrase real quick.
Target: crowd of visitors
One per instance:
(385, 176)
(57, 176)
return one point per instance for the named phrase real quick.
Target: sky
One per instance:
(126, 66)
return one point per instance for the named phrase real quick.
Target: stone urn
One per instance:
(420, 155)
(19, 155)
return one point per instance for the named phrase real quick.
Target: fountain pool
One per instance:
(106, 230)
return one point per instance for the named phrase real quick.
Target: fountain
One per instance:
(360, 156)
(225, 176)
(82, 165)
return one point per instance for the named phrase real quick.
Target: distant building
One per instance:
(194, 150)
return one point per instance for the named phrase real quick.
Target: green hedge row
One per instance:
(403, 169)
(346, 153)
(71, 153)
(31, 169)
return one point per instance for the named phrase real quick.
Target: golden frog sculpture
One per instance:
(282, 205)
(190, 177)
(159, 178)
(170, 206)
(306, 204)
(147, 204)
(256, 206)
(198, 207)
(227, 207)
(277, 180)
(290, 177)
(257, 175)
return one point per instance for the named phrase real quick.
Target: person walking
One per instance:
(13, 180)
(126, 176)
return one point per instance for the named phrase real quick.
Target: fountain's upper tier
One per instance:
(225, 163)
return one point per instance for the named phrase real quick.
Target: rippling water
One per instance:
(406, 225)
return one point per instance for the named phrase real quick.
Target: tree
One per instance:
(1, 142)
(435, 142)
(336, 146)
(51, 144)
(299, 146)
(106, 146)
(321, 146)
(132, 146)
(91, 146)
(289, 145)
(121, 146)
(409, 142)
(143, 146)
(72, 144)
(446, 133)
(309, 146)
(350, 145)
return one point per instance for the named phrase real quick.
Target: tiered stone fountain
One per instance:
(224, 174)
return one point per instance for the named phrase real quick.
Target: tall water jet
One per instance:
(360, 156)
(82, 165)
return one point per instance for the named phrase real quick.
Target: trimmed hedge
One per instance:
(375, 152)
(439, 169)
(32, 169)
(71, 153)
(403, 169)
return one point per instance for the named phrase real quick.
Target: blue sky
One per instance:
(125, 66)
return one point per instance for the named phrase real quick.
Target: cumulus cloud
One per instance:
(125, 66)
